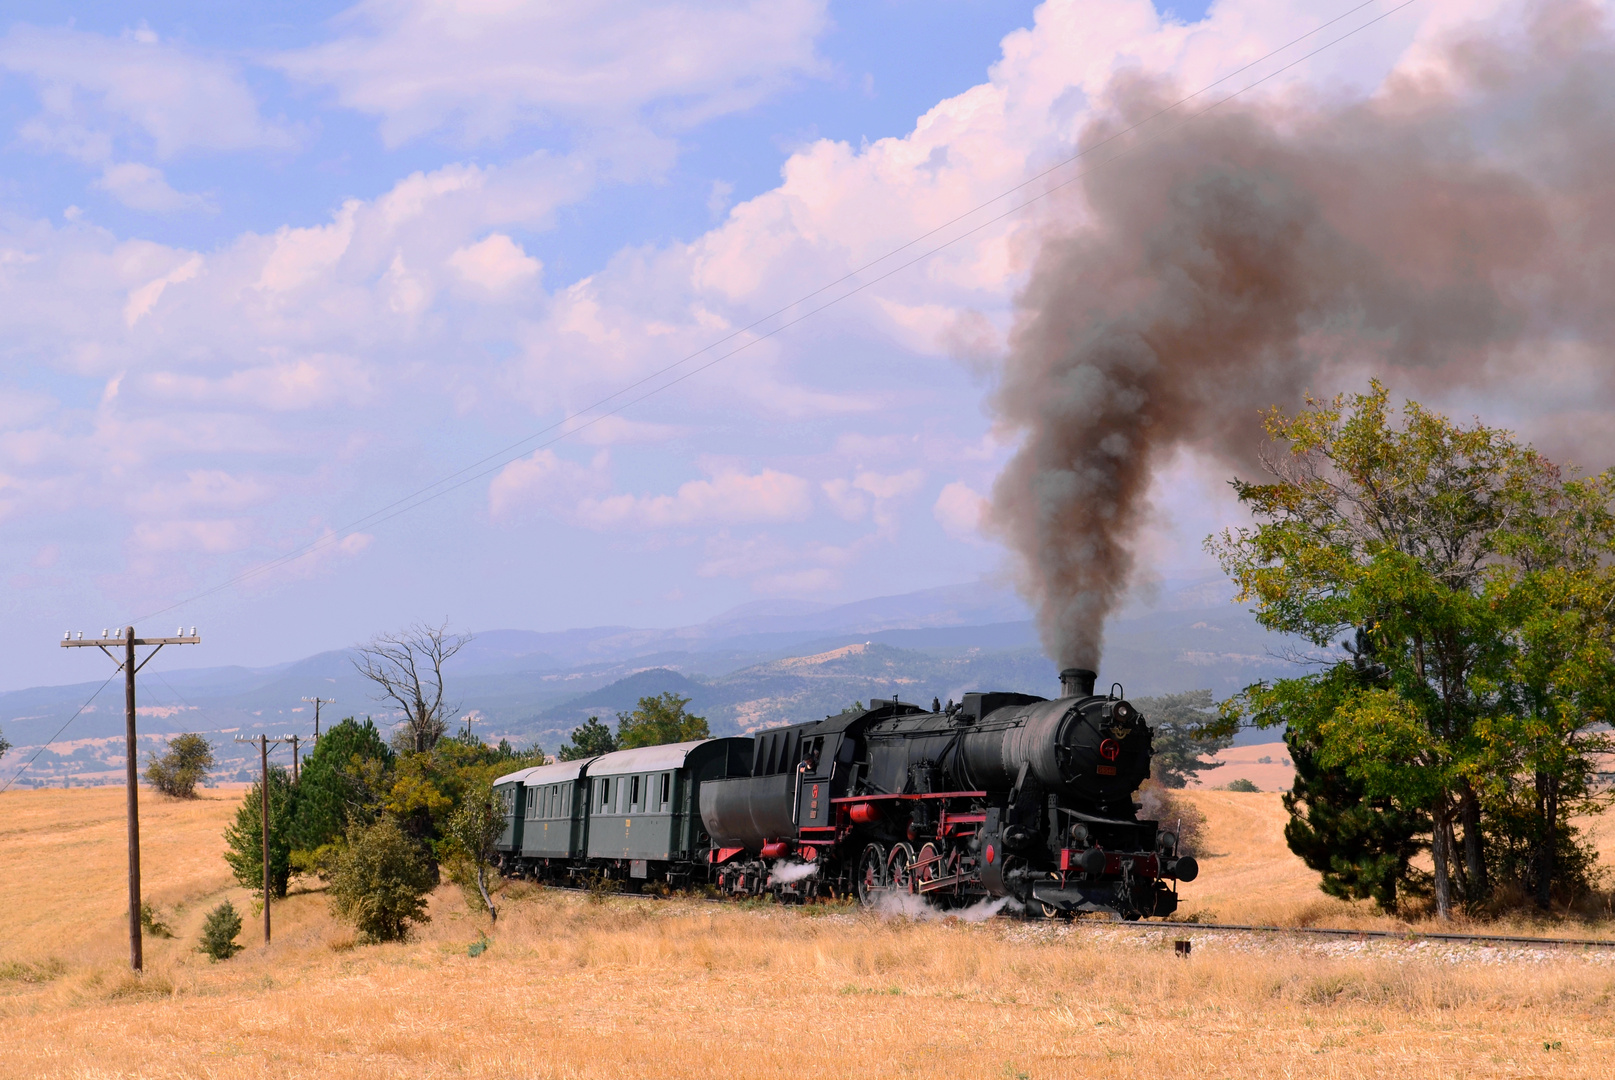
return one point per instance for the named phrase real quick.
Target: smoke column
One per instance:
(1454, 228)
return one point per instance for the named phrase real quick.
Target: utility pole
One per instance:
(318, 701)
(294, 740)
(127, 640)
(263, 742)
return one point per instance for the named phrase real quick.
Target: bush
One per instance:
(151, 920)
(1241, 784)
(380, 882)
(1175, 813)
(186, 764)
(219, 932)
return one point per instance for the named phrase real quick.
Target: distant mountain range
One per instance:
(760, 664)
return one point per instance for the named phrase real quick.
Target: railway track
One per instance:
(1188, 927)
(1392, 935)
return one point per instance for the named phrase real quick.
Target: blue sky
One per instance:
(268, 268)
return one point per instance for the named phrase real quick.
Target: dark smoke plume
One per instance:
(1438, 235)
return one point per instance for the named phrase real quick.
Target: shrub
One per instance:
(219, 932)
(151, 920)
(182, 767)
(1241, 784)
(1175, 813)
(380, 881)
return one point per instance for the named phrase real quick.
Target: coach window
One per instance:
(633, 796)
(667, 789)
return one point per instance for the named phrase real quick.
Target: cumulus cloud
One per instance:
(202, 537)
(495, 263)
(959, 509)
(546, 480)
(309, 382)
(728, 498)
(96, 90)
(142, 187)
(485, 69)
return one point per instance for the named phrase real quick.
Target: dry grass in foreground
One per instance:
(627, 987)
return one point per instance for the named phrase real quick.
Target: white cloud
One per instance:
(487, 68)
(202, 489)
(310, 382)
(495, 263)
(959, 509)
(141, 187)
(728, 498)
(143, 299)
(95, 89)
(197, 537)
(546, 480)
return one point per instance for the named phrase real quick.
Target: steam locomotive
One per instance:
(1001, 797)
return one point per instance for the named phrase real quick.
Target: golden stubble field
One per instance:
(644, 988)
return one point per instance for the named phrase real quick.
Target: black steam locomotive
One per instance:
(1006, 797)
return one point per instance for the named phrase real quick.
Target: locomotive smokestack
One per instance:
(1077, 682)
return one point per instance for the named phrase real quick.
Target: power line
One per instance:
(47, 744)
(460, 478)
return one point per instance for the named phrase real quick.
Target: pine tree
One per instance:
(1361, 846)
(219, 932)
(245, 835)
(1179, 742)
(590, 739)
(343, 782)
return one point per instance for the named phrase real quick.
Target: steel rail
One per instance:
(1395, 935)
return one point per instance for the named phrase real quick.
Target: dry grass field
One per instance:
(641, 988)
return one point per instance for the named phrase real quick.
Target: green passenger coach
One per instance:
(509, 789)
(556, 799)
(643, 814)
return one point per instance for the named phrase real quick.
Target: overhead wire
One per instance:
(47, 743)
(475, 471)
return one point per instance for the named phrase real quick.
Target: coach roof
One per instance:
(645, 759)
(559, 772)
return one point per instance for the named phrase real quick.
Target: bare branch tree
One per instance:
(407, 666)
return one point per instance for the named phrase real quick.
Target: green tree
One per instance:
(4, 746)
(1554, 682)
(244, 837)
(185, 764)
(219, 932)
(344, 782)
(1406, 531)
(1184, 731)
(380, 882)
(471, 832)
(590, 739)
(660, 720)
(428, 787)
